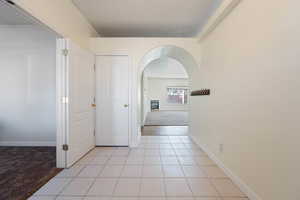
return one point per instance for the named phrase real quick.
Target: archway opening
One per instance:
(165, 84)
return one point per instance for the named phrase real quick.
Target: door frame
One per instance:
(131, 72)
(61, 103)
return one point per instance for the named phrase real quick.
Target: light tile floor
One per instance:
(161, 168)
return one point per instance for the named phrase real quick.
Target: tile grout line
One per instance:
(140, 185)
(95, 179)
(209, 179)
(164, 176)
(177, 154)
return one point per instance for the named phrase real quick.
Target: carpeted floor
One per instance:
(167, 118)
(23, 170)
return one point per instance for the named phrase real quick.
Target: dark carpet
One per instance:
(23, 170)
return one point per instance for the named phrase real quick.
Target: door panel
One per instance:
(112, 99)
(80, 92)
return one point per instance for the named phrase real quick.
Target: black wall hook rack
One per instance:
(203, 92)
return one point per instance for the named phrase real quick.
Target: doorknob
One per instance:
(94, 105)
(126, 105)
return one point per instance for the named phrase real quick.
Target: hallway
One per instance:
(80, 77)
(163, 167)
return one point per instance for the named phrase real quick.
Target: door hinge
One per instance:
(94, 132)
(65, 52)
(65, 147)
(64, 100)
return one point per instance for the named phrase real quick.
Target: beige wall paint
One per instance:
(136, 49)
(61, 16)
(251, 63)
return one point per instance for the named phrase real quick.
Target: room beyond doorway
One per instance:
(165, 91)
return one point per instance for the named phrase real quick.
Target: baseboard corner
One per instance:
(237, 180)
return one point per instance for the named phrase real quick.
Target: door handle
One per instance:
(126, 105)
(93, 105)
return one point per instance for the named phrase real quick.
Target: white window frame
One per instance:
(179, 87)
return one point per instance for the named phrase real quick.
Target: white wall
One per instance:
(27, 86)
(146, 106)
(251, 63)
(165, 68)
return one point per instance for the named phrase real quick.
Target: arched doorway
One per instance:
(171, 99)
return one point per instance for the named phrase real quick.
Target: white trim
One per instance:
(61, 115)
(28, 143)
(132, 140)
(237, 180)
(220, 14)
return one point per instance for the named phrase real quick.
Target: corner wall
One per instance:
(61, 16)
(251, 63)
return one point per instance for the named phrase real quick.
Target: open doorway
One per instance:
(166, 77)
(165, 94)
(27, 104)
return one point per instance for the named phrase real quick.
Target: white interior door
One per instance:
(80, 92)
(112, 99)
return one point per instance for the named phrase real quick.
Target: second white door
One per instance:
(112, 100)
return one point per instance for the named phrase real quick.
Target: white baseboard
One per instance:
(27, 143)
(237, 180)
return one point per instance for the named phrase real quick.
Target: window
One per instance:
(177, 95)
